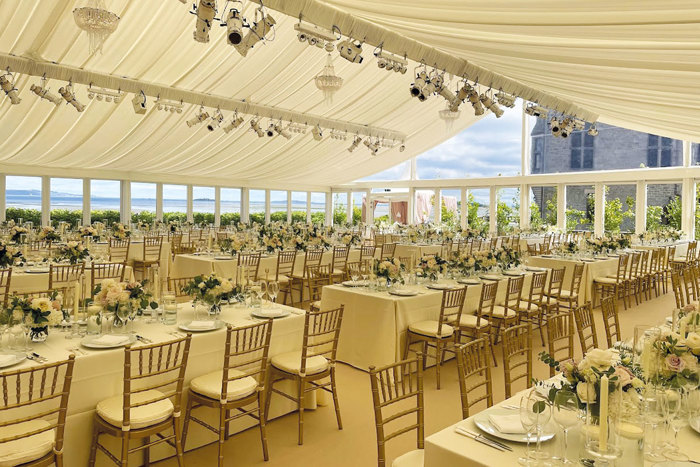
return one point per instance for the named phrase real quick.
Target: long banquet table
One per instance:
(98, 374)
(24, 281)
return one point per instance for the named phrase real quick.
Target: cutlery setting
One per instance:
(36, 357)
(483, 439)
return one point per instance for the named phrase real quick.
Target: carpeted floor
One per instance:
(355, 445)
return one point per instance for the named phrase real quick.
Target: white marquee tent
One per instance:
(633, 64)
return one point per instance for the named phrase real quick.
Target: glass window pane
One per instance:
(174, 203)
(318, 208)
(508, 210)
(579, 207)
(588, 158)
(230, 206)
(620, 208)
(278, 206)
(143, 202)
(257, 206)
(23, 198)
(663, 206)
(339, 208)
(543, 207)
(451, 200)
(666, 158)
(105, 198)
(66, 201)
(652, 157)
(203, 204)
(575, 158)
(478, 209)
(424, 206)
(299, 206)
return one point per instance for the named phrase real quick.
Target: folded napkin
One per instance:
(110, 340)
(6, 359)
(201, 325)
(508, 424)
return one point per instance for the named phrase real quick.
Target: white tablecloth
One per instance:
(33, 282)
(99, 375)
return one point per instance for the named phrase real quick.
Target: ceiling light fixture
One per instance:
(169, 106)
(373, 146)
(139, 103)
(491, 105)
(44, 93)
(198, 118)
(390, 62)
(506, 100)
(355, 143)
(7, 83)
(205, 13)
(536, 110)
(350, 50)
(315, 36)
(282, 131)
(255, 125)
(317, 133)
(98, 22)
(234, 27)
(257, 32)
(593, 131)
(215, 121)
(327, 81)
(104, 94)
(236, 121)
(68, 94)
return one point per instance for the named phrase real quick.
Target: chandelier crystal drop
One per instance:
(97, 21)
(449, 117)
(327, 81)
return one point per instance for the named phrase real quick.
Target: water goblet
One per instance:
(654, 416)
(565, 414)
(273, 288)
(675, 404)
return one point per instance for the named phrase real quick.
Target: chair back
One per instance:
(251, 263)
(154, 367)
(396, 238)
(5, 283)
(539, 280)
(286, 259)
(487, 300)
(670, 254)
(379, 240)
(611, 320)
(644, 262)
(692, 248)
(152, 246)
(340, 257)
(246, 353)
(473, 362)
(585, 326)
(517, 356)
(576, 279)
(532, 249)
(321, 332)
(119, 249)
(101, 271)
(451, 306)
(560, 337)
(556, 279)
(514, 292)
(367, 252)
(62, 275)
(317, 277)
(388, 250)
(633, 267)
(38, 396)
(312, 257)
(39, 245)
(176, 285)
(622, 267)
(394, 387)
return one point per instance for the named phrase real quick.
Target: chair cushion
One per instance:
(111, 410)
(410, 459)
(27, 449)
(469, 321)
(566, 294)
(605, 280)
(533, 308)
(210, 385)
(316, 305)
(338, 272)
(430, 328)
(282, 279)
(503, 312)
(290, 362)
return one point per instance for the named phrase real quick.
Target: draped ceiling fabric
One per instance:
(634, 63)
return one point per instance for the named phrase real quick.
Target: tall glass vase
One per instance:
(603, 412)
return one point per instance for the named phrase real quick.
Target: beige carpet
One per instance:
(355, 445)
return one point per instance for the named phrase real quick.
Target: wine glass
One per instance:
(654, 416)
(529, 426)
(537, 409)
(354, 274)
(273, 288)
(675, 405)
(565, 414)
(123, 315)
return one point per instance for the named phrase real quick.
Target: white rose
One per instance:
(692, 340)
(584, 390)
(597, 358)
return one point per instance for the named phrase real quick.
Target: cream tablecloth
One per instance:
(416, 251)
(99, 375)
(32, 282)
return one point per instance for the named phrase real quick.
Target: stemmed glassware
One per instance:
(354, 274)
(566, 414)
(273, 288)
(654, 416)
(675, 408)
(535, 412)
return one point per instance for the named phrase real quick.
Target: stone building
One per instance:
(612, 149)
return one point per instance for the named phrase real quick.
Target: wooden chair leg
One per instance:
(300, 388)
(146, 451)
(58, 459)
(178, 443)
(222, 435)
(263, 422)
(93, 446)
(437, 362)
(125, 449)
(335, 399)
(268, 396)
(186, 421)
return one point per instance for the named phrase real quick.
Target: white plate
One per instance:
(270, 313)
(403, 293)
(491, 277)
(675, 464)
(37, 271)
(481, 420)
(439, 286)
(89, 342)
(534, 269)
(355, 284)
(469, 281)
(223, 257)
(513, 273)
(547, 256)
(695, 424)
(215, 325)
(16, 358)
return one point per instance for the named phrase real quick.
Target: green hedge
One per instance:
(14, 214)
(111, 215)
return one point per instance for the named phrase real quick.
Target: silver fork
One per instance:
(78, 350)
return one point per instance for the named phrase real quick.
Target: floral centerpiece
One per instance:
(139, 298)
(17, 232)
(568, 248)
(49, 234)
(120, 231)
(73, 252)
(38, 313)
(88, 231)
(115, 299)
(484, 260)
(390, 269)
(507, 257)
(272, 242)
(432, 266)
(671, 359)
(233, 245)
(464, 262)
(9, 255)
(349, 238)
(212, 290)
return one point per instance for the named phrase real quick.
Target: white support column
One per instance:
(369, 208)
(640, 211)
(463, 208)
(190, 197)
(45, 200)
(688, 208)
(493, 203)
(524, 207)
(329, 209)
(217, 206)
(561, 207)
(125, 202)
(3, 197)
(348, 207)
(411, 206)
(289, 207)
(308, 207)
(599, 210)
(87, 209)
(525, 146)
(245, 206)
(437, 206)
(687, 162)
(159, 202)
(267, 206)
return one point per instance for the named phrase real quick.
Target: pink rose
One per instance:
(675, 363)
(624, 376)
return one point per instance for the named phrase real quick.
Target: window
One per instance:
(318, 208)
(299, 206)
(278, 206)
(143, 202)
(23, 198)
(507, 210)
(478, 209)
(695, 153)
(66, 200)
(659, 151)
(580, 201)
(663, 206)
(174, 203)
(543, 207)
(537, 154)
(620, 203)
(105, 196)
(451, 200)
(203, 204)
(230, 206)
(581, 150)
(339, 208)
(256, 206)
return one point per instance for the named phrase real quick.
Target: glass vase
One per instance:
(603, 409)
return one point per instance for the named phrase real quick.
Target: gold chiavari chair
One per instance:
(312, 257)
(63, 275)
(176, 285)
(316, 278)
(678, 289)
(560, 337)
(615, 286)
(585, 327)
(286, 260)
(367, 252)
(240, 384)
(102, 271)
(379, 240)
(396, 238)
(339, 262)
(5, 284)
(315, 362)
(397, 392)
(689, 257)
(507, 314)
(532, 249)
(532, 306)
(152, 246)
(119, 249)
(473, 362)
(388, 250)
(150, 403)
(667, 266)
(611, 321)
(478, 325)
(438, 334)
(251, 264)
(33, 414)
(494, 243)
(632, 283)
(175, 239)
(569, 298)
(517, 356)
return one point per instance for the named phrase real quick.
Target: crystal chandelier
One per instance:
(97, 21)
(327, 81)
(449, 117)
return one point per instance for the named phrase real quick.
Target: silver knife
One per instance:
(480, 440)
(504, 446)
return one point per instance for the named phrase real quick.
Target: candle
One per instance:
(684, 323)
(156, 284)
(76, 300)
(209, 242)
(603, 415)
